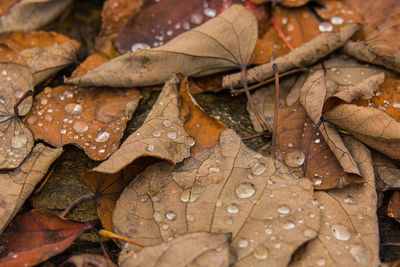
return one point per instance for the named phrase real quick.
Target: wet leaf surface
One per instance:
(194, 248)
(35, 236)
(221, 44)
(16, 141)
(17, 185)
(94, 119)
(20, 15)
(228, 188)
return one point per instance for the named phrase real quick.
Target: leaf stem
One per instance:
(321, 120)
(113, 235)
(76, 202)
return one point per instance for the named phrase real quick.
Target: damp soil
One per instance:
(65, 184)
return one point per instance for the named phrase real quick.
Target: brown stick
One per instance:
(276, 111)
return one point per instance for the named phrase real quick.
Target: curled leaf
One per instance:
(17, 185)
(223, 43)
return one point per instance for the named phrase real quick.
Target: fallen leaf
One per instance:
(307, 54)
(200, 249)
(35, 236)
(10, 55)
(226, 189)
(90, 260)
(387, 172)
(294, 130)
(29, 15)
(45, 53)
(300, 25)
(288, 3)
(393, 209)
(5, 6)
(93, 119)
(161, 136)
(115, 14)
(17, 185)
(16, 141)
(91, 62)
(203, 130)
(223, 43)
(349, 229)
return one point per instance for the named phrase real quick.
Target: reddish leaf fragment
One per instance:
(91, 62)
(94, 119)
(35, 236)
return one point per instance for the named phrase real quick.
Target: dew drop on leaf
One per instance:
(245, 190)
(283, 209)
(190, 217)
(243, 243)
(294, 158)
(167, 123)
(80, 127)
(138, 46)
(233, 208)
(150, 148)
(156, 133)
(171, 135)
(170, 215)
(260, 252)
(320, 262)
(73, 108)
(157, 217)
(340, 232)
(337, 20)
(349, 200)
(258, 169)
(289, 225)
(102, 137)
(210, 12)
(185, 195)
(325, 26)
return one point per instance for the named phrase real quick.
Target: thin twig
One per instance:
(276, 111)
(46, 179)
(76, 202)
(255, 135)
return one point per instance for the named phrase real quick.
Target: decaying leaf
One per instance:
(226, 189)
(45, 53)
(16, 141)
(161, 136)
(94, 119)
(199, 249)
(17, 185)
(90, 260)
(115, 14)
(300, 25)
(393, 209)
(35, 236)
(221, 44)
(307, 54)
(349, 230)
(387, 172)
(203, 130)
(29, 15)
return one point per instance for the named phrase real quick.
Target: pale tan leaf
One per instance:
(372, 126)
(226, 189)
(221, 44)
(197, 249)
(29, 15)
(349, 229)
(46, 61)
(16, 141)
(161, 136)
(307, 54)
(89, 260)
(387, 172)
(17, 185)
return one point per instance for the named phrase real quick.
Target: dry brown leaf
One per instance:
(161, 136)
(227, 189)
(89, 260)
(203, 130)
(45, 53)
(294, 130)
(198, 249)
(93, 119)
(387, 172)
(91, 62)
(349, 229)
(16, 141)
(29, 15)
(393, 209)
(220, 44)
(17, 185)
(305, 55)
(115, 14)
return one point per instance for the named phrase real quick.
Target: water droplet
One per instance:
(210, 12)
(260, 252)
(294, 158)
(31, 120)
(214, 170)
(340, 232)
(325, 26)
(289, 225)
(396, 104)
(165, 227)
(243, 243)
(19, 141)
(156, 133)
(144, 199)
(80, 127)
(283, 209)
(150, 148)
(185, 195)
(320, 262)
(190, 217)
(169, 32)
(157, 217)
(290, 27)
(361, 254)
(138, 46)
(171, 135)
(336, 20)
(284, 20)
(317, 182)
(40, 124)
(44, 101)
(317, 141)
(269, 231)
(167, 123)
(196, 19)
(170, 215)
(73, 108)
(309, 233)
(349, 200)
(63, 131)
(258, 169)
(102, 137)
(233, 208)
(245, 190)
(48, 117)
(191, 141)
